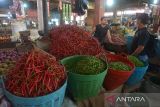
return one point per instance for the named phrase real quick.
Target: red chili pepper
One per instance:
(48, 85)
(71, 40)
(32, 87)
(35, 74)
(23, 88)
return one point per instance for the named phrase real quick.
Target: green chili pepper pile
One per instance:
(119, 66)
(136, 61)
(87, 66)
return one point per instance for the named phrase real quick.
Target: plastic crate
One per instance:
(83, 86)
(54, 99)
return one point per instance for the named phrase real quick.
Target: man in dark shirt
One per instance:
(101, 31)
(141, 38)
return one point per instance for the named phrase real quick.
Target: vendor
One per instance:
(141, 38)
(101, 32)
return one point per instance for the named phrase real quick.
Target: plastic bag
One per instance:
(80, 7)
(68, 103)
(4, 103)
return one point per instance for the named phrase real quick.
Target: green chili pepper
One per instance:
(87, 66)
(119, 66)
(136, 61)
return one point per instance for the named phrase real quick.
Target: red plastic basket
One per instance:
(116, 78)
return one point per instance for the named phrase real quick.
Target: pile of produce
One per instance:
(118, 40)
(5, 66)
(5, 38)
(35, 74)
(136, 61)
(119, 66)
(72, 40)
(87, 66)
(8, 54)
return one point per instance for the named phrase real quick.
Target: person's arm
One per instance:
(109, 37)
(138, 50)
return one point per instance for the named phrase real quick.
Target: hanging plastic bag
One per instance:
(80, 7)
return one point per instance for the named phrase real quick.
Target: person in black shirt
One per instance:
(101, 32)
(141, 38)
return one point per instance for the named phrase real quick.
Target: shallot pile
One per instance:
(9, 55)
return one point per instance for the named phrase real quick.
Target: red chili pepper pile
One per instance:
(71, 40)
(35, 74)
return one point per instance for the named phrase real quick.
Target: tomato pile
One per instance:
(35, 74)
(71, 40)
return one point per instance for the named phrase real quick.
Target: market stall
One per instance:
(74, 71)
(68, 67)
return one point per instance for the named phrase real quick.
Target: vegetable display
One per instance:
(5, 66)
(87, 66)
(8, 54)
(120, 66)
(35, 74)
(136, 61)
(4, 38)
(72, 40)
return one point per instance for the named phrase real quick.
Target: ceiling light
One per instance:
(109, 2)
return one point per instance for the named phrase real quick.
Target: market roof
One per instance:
(126, 4)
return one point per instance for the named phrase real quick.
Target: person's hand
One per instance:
(111, 42)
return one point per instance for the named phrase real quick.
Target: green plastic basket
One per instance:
(83, 86)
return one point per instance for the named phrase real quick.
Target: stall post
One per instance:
(99, 10)
(42, 11)
(40, 15)
(45, 16)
